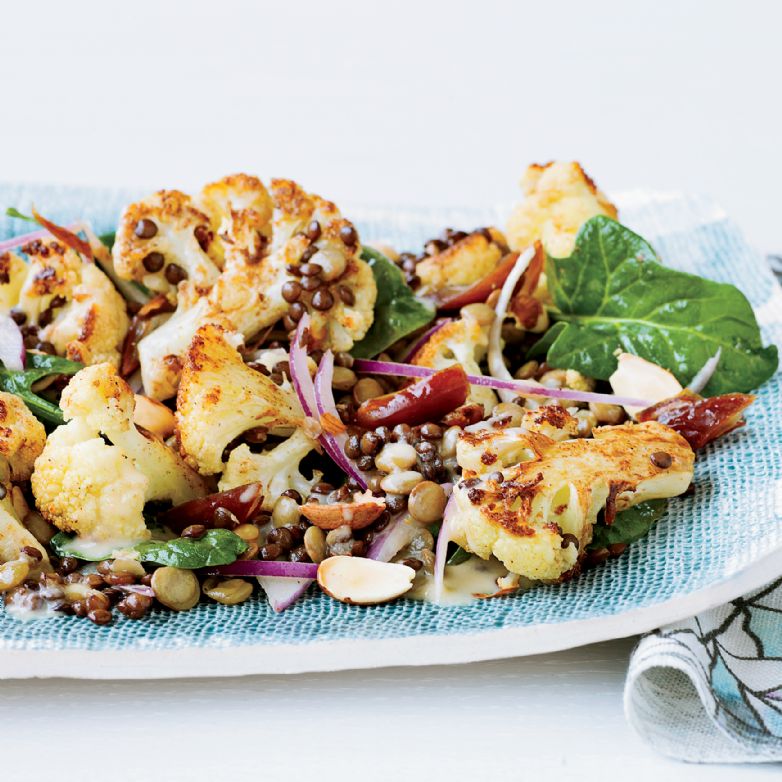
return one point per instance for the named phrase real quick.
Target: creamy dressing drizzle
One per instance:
(461, 582)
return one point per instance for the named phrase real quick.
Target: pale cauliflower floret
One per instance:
(103, 402)
(220, 397)
(14, 536)
(559, 198)
(464, 342)
(22, 436)
(276, 469)
(463, 263)
(558, 492)
(176, 231)
(85, 486)
(75, 305)
(13, 271)
(483, 448)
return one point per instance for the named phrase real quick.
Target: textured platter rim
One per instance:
(354, 654)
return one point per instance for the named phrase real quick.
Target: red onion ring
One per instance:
(259, 567)
(12, 352)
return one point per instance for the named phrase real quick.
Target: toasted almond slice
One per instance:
(360, 581)
(639, 378)
(154, 416)
(357, 514)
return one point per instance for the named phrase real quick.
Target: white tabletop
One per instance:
(404, 102)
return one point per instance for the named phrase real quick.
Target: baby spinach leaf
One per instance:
(629, 525)
(216, 547)
(458, 557)
(540, 348)
(38, 366)
(398, 312)
(612, 293)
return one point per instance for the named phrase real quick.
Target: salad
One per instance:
(233, 397)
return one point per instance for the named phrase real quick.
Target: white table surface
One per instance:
(409, 102)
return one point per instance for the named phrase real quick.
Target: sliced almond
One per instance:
(357, 514)
(154, 416)
(639, 378)
(360, 581)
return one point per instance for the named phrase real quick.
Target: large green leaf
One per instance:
(398, 312)
(612, 293)
(37, 367)
(629, 525)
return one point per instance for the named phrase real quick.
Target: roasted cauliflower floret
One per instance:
(83, 485)
(74, 304)
(220, 397)
(483, 448)
(13, 271)
(465, 342)
(559, 198)
(22, 436)
(260, 240)
(163, 240)
(97, 489)
(463, 263)
(103, 401)
(14, 536)
(276, 469)
(538, 519)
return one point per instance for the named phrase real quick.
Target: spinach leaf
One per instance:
(38, 366)
(629, 525)
(540, 348)
(108, 239)
(458, 557)
(216, 547)
(612, 293)
(398, 312)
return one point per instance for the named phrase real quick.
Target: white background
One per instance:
(393, 102)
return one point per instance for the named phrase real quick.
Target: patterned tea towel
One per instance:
(709, 689)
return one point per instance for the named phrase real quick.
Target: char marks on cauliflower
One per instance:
(522, 514)
(22, 436)
(220, 398)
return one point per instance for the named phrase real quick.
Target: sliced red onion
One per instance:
(424, 338)
(283, 592)
(496, 361)
(701, 379)
(300, 375)
(519, 387)
(441, 549)
(259, 567)
(333, 442)
(11, 344)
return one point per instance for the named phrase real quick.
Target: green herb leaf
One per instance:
(629, 525)
(540, 348)
(108, 238)
(612, 293)
(458, 557)
(14, 212)
(398, 312)
(216, 547)
(38, 366)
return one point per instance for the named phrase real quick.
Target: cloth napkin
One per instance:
(709, 689)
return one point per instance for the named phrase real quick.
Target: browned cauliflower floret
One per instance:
(72, 302)
(163, 240)
(220, 398)
(559, 198)
(466, 261)
(260, 241)
(22, 436)
(13, 271)
(536, 517)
